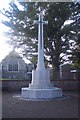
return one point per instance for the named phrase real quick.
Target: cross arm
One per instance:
(37, 22)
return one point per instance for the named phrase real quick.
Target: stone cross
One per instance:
(40, 22)
(40, 86)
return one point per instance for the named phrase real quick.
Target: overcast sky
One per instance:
(4, 47)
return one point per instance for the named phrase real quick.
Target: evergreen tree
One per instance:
(76, 54)
(59, 37)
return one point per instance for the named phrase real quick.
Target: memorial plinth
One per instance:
(41, 87)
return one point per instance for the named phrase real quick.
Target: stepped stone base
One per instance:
(41, 93)
(41, 87)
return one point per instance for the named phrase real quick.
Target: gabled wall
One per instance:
(8, 64)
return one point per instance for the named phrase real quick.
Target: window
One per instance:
(13, 67)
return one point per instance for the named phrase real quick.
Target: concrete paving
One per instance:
(15, 107)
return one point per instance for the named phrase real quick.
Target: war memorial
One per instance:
(41, 99)
(40, 86)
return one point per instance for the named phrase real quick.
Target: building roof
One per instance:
(13, 54)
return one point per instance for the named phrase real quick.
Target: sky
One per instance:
(5, 48)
